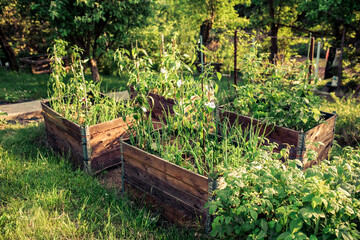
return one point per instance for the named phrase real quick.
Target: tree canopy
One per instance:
(94, 25)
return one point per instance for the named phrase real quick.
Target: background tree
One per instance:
(94, 25)
(269, 16)
(331, 18)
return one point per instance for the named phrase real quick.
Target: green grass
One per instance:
(347, 129)
(41, 197)
(24, 86)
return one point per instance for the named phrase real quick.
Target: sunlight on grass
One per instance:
(42, 197)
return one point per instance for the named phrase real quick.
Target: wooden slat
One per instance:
(104, 137)
(58, 123)
(323, 133)
(64, 123)
(273, 133)
(188, 198)
(200, 183)
(178, 183)
(110, 125)
(162, 196)
(106, 159)
(63, 138)
(169, 212)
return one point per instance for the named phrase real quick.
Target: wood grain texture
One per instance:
(170, 170)
(321, 133)
(165, 186)
(171, 213)
(104, 137)
(59, 119)
(163, 196)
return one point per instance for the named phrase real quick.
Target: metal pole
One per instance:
(201, 55)
(341, 56)
(311, 56)
(235, 54)
(317, 59)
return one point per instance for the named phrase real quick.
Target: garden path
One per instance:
(33, 108)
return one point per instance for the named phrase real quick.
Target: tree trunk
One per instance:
(8, 51)
(205, 33)
(274, 28)
(94, 70)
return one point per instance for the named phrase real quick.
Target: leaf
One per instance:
(212, 209)
(218, 75)
(284, 235)
(253, 214)
(262, 234)
(313, 237)
(278, 227)
(316, 201)
(295, 225)
(264, 225)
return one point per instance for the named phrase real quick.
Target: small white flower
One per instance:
(144, 109)
(210, 104)
(258, 167)
(179, 83)
(163, 70)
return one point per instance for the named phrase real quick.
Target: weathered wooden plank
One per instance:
(169, 212)
(110, 125)
(106, 159)
(164, 197)
(60, 119)
(63, 138)
(197, 191)
(63, 148)
(50, 120)
(179, 193)
(193, 179)
(273, 133)
(323, 133)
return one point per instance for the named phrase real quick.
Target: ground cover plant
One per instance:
(78, 99)
(267, 199)
(279, 95)
(42, 197)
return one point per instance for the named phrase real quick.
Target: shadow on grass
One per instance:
(42, 197)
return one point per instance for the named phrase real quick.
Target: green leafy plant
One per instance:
(77, 99)
(268, 199)
(270, 94)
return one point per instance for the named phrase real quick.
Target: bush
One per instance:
(272, 200)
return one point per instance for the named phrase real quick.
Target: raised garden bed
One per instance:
(180, 192)
(39, 64)
(94, 148)
(158, 103)
(300, 142)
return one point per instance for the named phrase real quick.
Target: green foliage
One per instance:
(42, 197)
(267, 199)
(270, 94)
(77, 99)
(347, 122)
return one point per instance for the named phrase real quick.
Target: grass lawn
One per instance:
(41, 197)
(21, 86)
